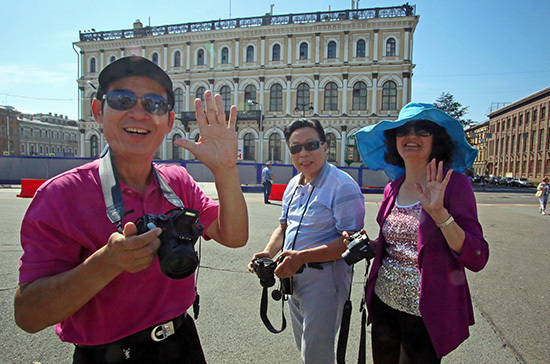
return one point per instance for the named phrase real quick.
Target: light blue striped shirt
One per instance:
(336, 204)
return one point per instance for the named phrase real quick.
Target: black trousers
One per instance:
(398, 337)
(183, 347)
(267, 190)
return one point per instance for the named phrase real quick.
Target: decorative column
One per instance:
(212, 55)
(407, 56)
(165, 56)
(188, 54)
(317, 47)
(406, 97)
(288, 94)
(262, 50)
(375, 93)
(289, 50)
(345, 94)
(236, 92)
(343, 145)
(316, 95)
(237, 52)
(375, 46)
(346, 46)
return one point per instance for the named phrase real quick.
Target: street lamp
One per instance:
(302, 108)
(261, 127)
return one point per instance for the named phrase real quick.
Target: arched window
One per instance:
(302, 97)
(331, 97)
(199, 94)
(360, 49)
(250, 94)
(225, 55)
(249, 152)
(276, 54)
(331, 49)
(359, 96)
(155, 58)
(303, 51)
(177, 152)
(22, 148)
(331, 141)
(200, 57)
(250, 53)
(94, 146)
(177, 59)
(225, 93)
(112, 59)
(276, 98)
(390, 47)
(275, 147)
(93, 68)
(389, 96)
(178, 100)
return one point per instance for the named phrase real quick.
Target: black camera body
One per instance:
(180, 230)
(265, 268)
(358, 249)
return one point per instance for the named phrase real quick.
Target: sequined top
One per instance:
(398, 283)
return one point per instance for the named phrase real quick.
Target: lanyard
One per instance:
(113, 194)
(301, 218)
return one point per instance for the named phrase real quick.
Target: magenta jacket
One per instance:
(445, 302)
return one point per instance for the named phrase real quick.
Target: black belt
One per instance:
(314, 265)
(152, 334)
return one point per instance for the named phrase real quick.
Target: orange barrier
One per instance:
(29, 187)
(277, 192)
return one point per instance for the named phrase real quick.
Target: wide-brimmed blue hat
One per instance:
(370, 139)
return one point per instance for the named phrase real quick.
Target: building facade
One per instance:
(48, 135)
(519, 138)
(348, 69)
(477, 137)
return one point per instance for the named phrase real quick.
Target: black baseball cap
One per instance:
(134, 66)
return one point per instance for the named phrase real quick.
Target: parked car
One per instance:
(521, 182)
(505, 181)
(493, 180)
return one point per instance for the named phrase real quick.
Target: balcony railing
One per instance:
(326, 16)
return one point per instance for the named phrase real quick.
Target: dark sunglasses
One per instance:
(309, 146)
(125, 100)
(419, 129)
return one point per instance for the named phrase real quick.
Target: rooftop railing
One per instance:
(326, 16)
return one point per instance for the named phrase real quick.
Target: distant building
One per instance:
(9, 139)
(477, 137)
(348, 69)
(519, 144)
(48, 135)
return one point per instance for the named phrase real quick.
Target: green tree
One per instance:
(447, 103)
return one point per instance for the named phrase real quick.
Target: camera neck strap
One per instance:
(263, 313)
(112, 192)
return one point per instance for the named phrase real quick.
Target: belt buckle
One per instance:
(162, 331)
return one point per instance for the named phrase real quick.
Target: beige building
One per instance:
(347, 68)
(519, 138)
(477, 137)
(9, 127)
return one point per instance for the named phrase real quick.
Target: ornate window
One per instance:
(250, 54)
(155, 58)
(250, 94)
(178, 100)
(177, 59)
(331, 141)
(390, 47)
(112, 59)
(199, 94)
(225, 92)
(331, 49)
(331, 97)
(177, 152)
(389, 96)
(94, 146)
(276, 54)
(275, 147)
(302, 97)
(200, 57)
(249, 152)
(225, 55)
(359, 96)
(360, 48)
(93, 67)
(276, 98)
(303, 51)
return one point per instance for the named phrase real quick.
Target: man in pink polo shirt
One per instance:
(91, 274)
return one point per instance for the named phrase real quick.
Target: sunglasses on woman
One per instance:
(418, 128)
(125, 100)
(309, 146)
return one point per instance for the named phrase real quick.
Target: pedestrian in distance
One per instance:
(543, 190)
(85, 267)
(267, 181)
(319, 203)
(418, 298)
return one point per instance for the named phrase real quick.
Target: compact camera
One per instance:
(358, 249)
(265, 268)
(180, 230)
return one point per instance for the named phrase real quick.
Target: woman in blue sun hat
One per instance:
(417, 294)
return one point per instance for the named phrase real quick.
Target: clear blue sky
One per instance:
(481, 51)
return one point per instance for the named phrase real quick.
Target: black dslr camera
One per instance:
(358, 248)
(264, 269)
(180, 230)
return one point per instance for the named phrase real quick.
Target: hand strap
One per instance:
(263, 313)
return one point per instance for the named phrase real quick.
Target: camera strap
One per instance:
(113, 194)
(263, 313)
